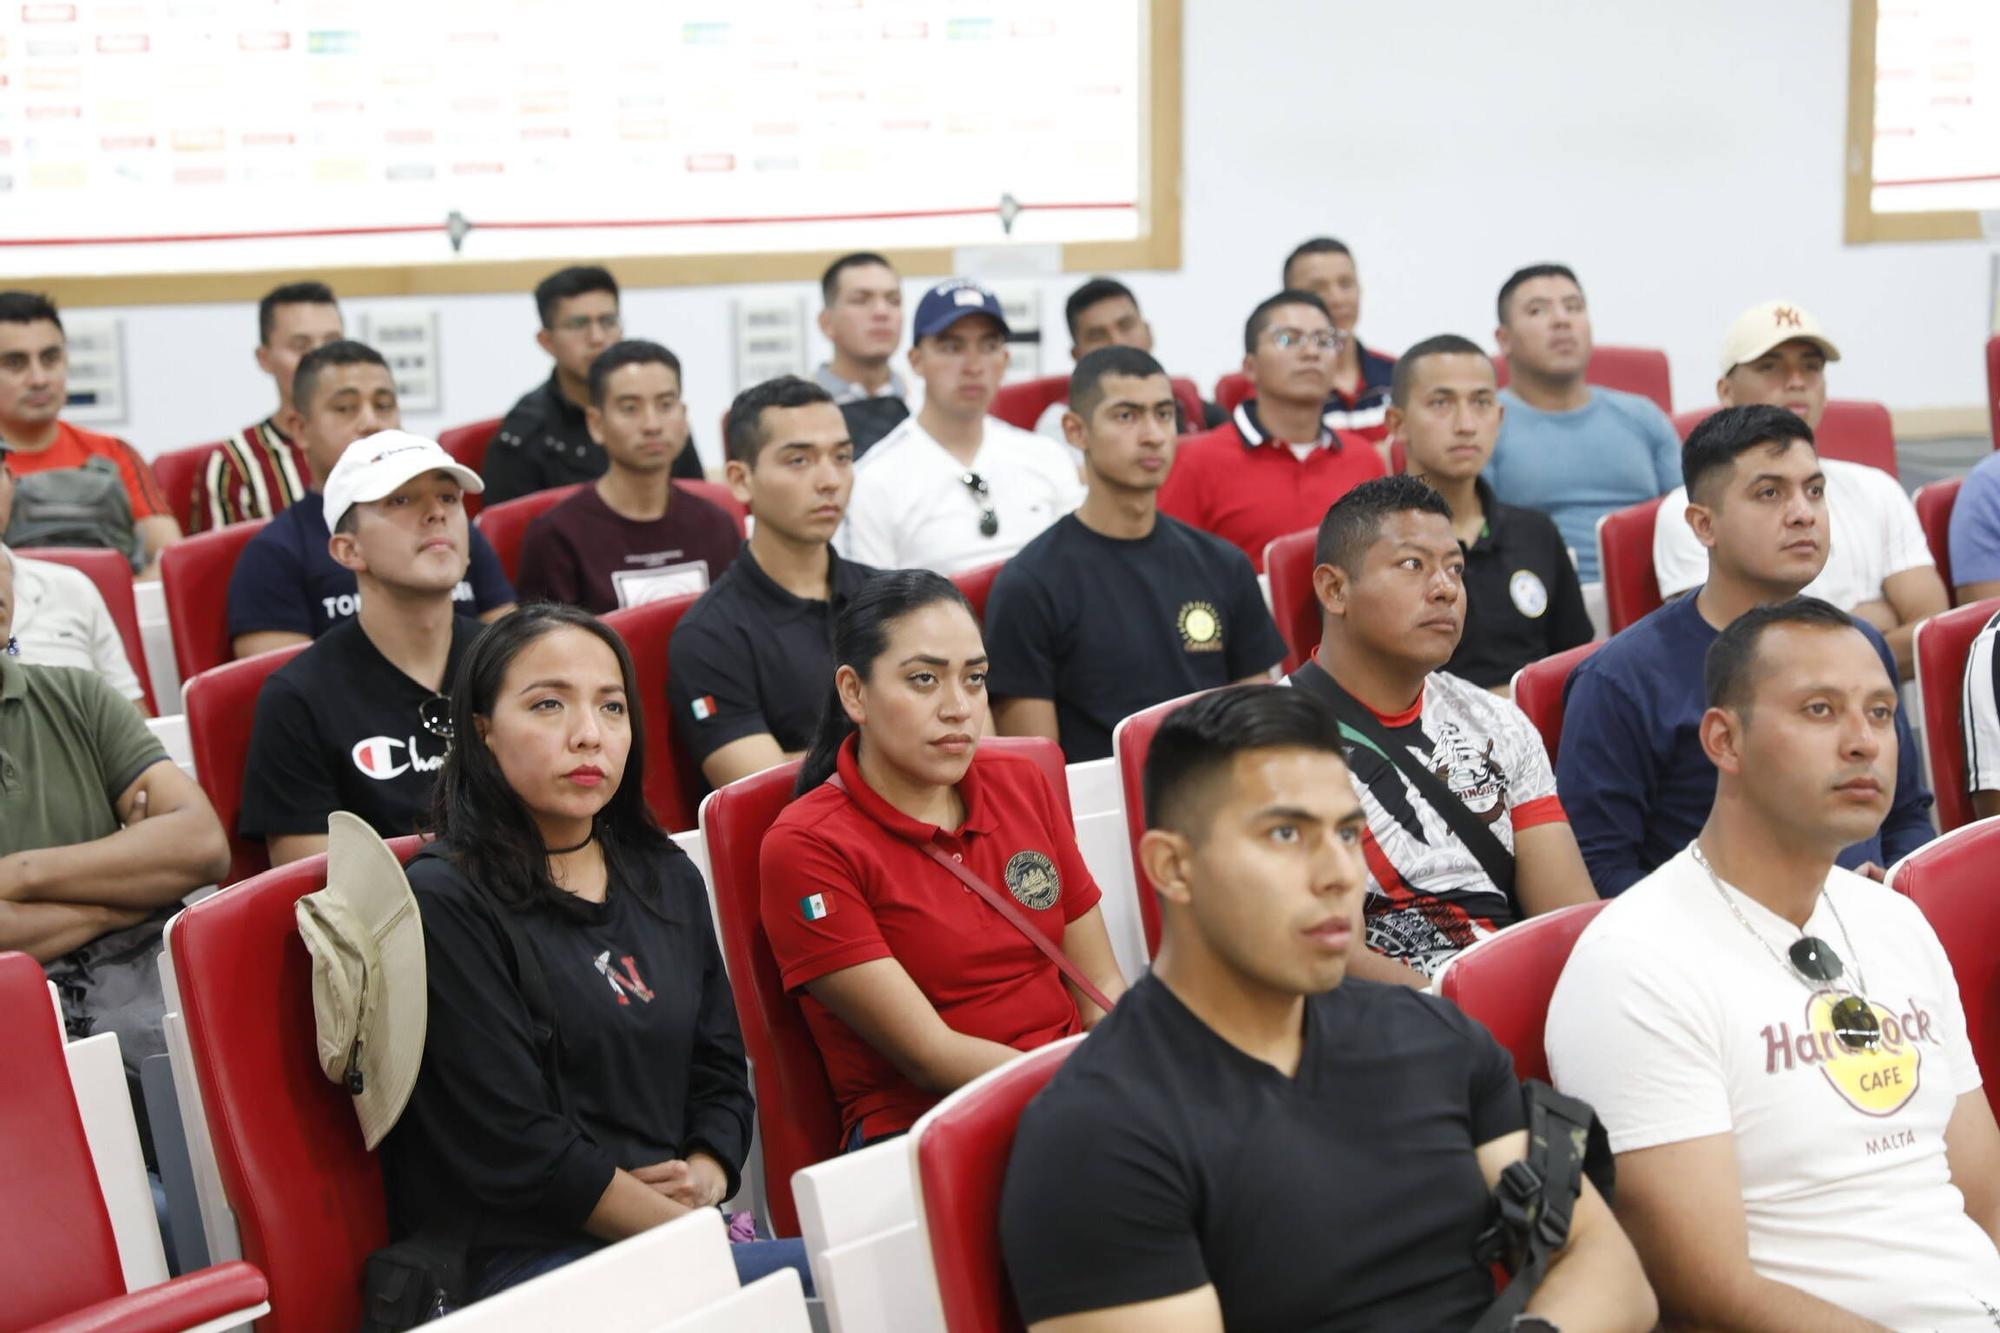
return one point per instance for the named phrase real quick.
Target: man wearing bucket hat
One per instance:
(951, 488)
(359, 721)
(1878, 565)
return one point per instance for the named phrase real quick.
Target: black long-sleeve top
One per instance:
(650, 1056)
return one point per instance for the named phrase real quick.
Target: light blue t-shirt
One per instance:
(1576, 467)
(1975, 525)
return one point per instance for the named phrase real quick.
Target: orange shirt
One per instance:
(73, 447)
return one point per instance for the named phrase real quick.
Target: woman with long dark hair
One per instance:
(915, 981)
(583, 1076)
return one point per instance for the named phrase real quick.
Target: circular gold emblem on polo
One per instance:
(1032, 879)
(1201, 628)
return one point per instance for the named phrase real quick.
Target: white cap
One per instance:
(1762, 327)
(373, 468)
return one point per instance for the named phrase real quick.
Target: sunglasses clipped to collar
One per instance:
(989, 518)
(1854, 1023)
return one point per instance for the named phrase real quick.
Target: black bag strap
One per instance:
(1535, 1201)
(1493, 858)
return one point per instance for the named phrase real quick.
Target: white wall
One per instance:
(1685, 158)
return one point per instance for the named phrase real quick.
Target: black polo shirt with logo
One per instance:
(1523, 600)
(544, 442)
(339, 727)
(750, 658)
(1106, 627)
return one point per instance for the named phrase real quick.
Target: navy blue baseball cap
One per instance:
(952, 300)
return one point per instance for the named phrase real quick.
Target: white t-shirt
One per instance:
(1872, 533)
(1675, 1024)
(60, 620)
(911, 508)
(1981, 711)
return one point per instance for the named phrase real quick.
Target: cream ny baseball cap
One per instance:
(1762, 327)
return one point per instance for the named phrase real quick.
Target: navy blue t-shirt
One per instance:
(287, 582)
(1631, 771)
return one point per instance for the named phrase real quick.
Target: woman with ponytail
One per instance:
(914, 978)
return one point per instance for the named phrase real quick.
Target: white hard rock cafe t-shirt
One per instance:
(1676, 1024)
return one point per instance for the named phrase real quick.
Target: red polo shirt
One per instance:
(845, 883)
(1249, 488)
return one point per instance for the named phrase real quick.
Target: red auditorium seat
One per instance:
(1232, 389)
(1625, 563)
(1934, 505)
(505, 525)
(977, 585)
(468, 445)
(1538, 692)
(647, 629)
(194, 577)
(1130, 740)
(221, 709)
(1640, 370)
(1942, 644)
(962, 1147)
(1505, 982)
(177, 471)
(798, 1122)
(306, 1194)
(112, 575)
(720, 496)
(59, 1263)
(1951, 881)
(1855, 431)
(1288, 562)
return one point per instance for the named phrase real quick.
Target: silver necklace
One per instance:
(1860, 978)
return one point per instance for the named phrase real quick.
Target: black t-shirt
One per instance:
(544, 442)
(1161, 1159)
(339, 727)
(650, 1059)
(1523, 601)
(750, 658)
(1106, 627)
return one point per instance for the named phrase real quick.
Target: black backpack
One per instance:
(76, 506)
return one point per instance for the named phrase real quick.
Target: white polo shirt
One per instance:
(912, 509)
(60, 620)
(1872, 531)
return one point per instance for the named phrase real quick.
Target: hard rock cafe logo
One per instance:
(1877, 1080)
(1033, 880)
(1201, 628)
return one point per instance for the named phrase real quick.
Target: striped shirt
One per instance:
(252, 474)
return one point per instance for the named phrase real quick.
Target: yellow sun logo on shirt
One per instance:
(1201, 628)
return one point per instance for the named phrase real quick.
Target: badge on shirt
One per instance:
(1530, 594)
(703, 708)
(1032, 879)
(1201, 628)
(814, 907)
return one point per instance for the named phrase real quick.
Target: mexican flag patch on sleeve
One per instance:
(704, 708)
(814, 907)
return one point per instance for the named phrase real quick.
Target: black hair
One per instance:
(345, 352)
(860, 635)
(1355, 520)
(494, 840)
(1088, 295)
(631, 352)
(292, 293)
(28, 308)
(1086, 382)
(829, 281)
(1318, 245)
(1529, 274)
(1200, 738)
(1260, 318)
(1442, 344)
(1712, 447)
(743, 436)
(564, 283)
(1729, 672)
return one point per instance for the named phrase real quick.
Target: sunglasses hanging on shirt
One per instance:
(435, 715)
(989, 519)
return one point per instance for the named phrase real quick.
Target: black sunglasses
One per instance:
(989, 520)
(435, 714)
(1854, 1022)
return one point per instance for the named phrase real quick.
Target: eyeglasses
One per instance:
(989, 520)
(435, 715)
(582, 323)
(1854, 1023)
(1327, 340)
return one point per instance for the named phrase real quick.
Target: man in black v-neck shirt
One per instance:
(1250, 1140)
(359, 720)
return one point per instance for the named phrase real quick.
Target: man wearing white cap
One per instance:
(1878, 565)
(359, 721)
